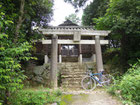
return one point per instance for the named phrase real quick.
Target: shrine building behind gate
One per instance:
(69, 42)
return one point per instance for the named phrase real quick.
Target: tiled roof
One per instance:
(68, 23)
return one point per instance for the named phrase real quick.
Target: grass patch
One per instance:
(34, 96)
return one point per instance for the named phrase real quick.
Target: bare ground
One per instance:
(96, 97)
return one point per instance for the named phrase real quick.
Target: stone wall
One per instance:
(37, 75)
(70, 74)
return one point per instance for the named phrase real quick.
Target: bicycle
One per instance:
(89, 82)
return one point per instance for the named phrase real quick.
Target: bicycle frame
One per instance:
(97, 74)
(90, 81)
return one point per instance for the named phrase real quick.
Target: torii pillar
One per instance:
(54, 51)
(99, 61)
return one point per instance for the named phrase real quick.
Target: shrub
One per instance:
(11, 56)
(34, 97)
(128, 87)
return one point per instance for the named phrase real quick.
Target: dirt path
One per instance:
(97, 97)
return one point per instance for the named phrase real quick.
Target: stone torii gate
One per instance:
(76, 32)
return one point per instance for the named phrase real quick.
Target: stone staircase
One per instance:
(72, 74)
(70, 59)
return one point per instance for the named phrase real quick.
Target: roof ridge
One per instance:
(68, 23)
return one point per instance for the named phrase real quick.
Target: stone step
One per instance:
(72, 83)
(73, 86)
(71, 79)
(73, 73)
(71, 65)
(72, 76)
(69, 82)
(73, 70)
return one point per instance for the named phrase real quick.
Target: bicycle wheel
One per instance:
(88, 83)
(107, 80)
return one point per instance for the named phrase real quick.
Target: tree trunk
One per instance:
(7, 95)
(124, 51)
(20, 20)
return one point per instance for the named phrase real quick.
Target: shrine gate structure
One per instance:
(67, 34)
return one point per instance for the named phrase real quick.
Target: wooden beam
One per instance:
(72, 42)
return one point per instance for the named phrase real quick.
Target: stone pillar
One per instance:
(93, 57)
(46, 59)
(99, 61)
(54, 51)
(80, 54)
(60, 56)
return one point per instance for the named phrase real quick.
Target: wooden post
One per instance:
(80, 54)
(53, 74)
(99, 61)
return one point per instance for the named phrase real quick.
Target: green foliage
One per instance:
(111, 56)
(36, 13)
(66, 99)
(11, 56)
(77, 3)
(123, 15)
(122, 18)
(10, 68)
(73, 18)
(111, 59)
(96, 9)
(11, 73)
(35, 97)
(128, 87)
(16, 23)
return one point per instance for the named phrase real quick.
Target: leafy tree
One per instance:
(77, 3)
(123, 19)
(39, 14)
(73, 18)
(16, 20)
(11, 74)
(25, 14)
(96, 9)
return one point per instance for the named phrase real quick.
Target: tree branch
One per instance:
(20, 20)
